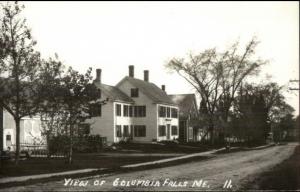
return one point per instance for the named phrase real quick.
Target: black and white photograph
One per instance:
(149, 96)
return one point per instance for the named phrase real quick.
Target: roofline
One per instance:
(181, 94)
(149, 96)
(109, 95)
(175, 105)
(121, 81)
(121, 101)
(194, 101)
(124, 78)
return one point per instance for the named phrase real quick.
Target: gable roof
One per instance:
(113, 93)
(185, 102)
(156, 94)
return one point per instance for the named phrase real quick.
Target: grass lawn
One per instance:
(139, 153)
(33, 166)
(163, 148)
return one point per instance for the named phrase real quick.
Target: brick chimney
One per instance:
(98, 76)
(163, 87)
(131, 71)
(146, 75)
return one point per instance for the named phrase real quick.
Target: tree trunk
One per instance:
(48, 145)
(211, 130)
(212, 135)
(225, 127)
(70, 159)
(203, 136)
(17, 121)
(70, 152)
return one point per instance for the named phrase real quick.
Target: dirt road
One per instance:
(237, 168)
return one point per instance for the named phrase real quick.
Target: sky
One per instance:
(113, 35)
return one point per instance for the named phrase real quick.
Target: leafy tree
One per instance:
(78, 93)
(286, 125)
(253, 115)
(216, 76)
(67, 100)
(19, 63)
(260, 109)
(51, 102)
(280, 113)
(34, 86)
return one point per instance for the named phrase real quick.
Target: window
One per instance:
(118, 109)
(118, 130)
(125, 110)
(162, 111)
(139, 111)
(130, 111)
(131, 130)
(95, 110)
(191, 134)
(140, 131)
(135, 111)
(174, 113)
(8, 137)
(168, 112)
(161, 130)
(134, 92)
(174, 130)
(143, 111)
(126, 131)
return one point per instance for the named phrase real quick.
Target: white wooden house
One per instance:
(30, 131)
(136, 109)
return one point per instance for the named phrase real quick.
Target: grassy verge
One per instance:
(285, 176)
(163, 147)
(114, 170)
(34, 166)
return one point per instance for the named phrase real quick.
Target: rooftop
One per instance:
(184, 101)
(150, 89)
(113, 92)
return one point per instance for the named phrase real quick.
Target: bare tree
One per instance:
(216, 77)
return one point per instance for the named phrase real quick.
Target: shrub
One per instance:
(167, 142)
(58, 144)
(90, 143)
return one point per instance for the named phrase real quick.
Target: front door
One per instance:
(168, 131)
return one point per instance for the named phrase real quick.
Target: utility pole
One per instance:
(296, 89)
(293, 88)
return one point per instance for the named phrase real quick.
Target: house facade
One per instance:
(189, 128)
(135, 110)
(30, 131)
